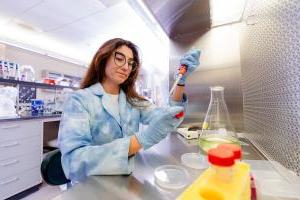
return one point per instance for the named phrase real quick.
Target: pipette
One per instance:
(182, 70)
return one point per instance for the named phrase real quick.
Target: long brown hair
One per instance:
(96, 70)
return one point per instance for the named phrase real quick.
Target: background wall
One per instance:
(219, 65)
(42, 62)
(270, 63)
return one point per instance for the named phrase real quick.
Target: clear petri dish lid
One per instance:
(194, 160)
(171, 176)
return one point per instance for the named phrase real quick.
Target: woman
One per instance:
(99, 131)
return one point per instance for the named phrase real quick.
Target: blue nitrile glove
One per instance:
(191, 61)
(160, 126)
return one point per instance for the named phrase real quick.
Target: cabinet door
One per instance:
(20, 146)
(20, 129)
(19, 182)
(14, 165)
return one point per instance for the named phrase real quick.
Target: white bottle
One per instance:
(17, 71)
(1, 68)
(5, 70)
(11, 73)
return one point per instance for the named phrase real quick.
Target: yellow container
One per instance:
(210, 186)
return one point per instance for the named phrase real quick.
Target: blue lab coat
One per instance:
(92, 141)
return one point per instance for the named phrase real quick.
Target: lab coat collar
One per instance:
(98, 90)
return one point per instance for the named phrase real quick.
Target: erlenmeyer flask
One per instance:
(217, 127)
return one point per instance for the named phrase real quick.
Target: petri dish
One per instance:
(194, 161)
(171, 176)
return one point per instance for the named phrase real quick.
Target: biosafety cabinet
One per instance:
(249, 47)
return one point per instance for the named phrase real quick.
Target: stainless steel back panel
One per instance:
(198, 92)
(270, 65)
(219, 65)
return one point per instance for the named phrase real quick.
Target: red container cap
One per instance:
(220, 157)
(179, 115)
(236, 149)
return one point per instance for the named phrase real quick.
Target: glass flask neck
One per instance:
(216, 92)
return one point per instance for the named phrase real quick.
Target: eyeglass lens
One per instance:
(120, 60)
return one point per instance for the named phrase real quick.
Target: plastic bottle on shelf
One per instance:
(5, 70)
(17, 71)
(225, 179)
(1, 68)
(27, 73)
(11, 74)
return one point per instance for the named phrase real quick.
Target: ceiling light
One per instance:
(225, 12)
(25, 25)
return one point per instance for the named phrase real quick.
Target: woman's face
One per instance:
(119, 66)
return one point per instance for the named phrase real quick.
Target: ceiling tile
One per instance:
(13, 8)
(53, 14)
(118, 18)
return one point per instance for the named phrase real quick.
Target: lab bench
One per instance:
(43, 117)
(21, 147)
(141, 184)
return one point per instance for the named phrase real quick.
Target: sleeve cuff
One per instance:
(183, 103)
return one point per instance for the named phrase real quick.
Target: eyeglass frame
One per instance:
(129, 63)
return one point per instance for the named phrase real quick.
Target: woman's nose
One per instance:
(125, 67)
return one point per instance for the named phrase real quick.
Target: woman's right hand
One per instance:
(163, 123)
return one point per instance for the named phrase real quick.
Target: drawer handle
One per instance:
(10, 145)
(9, 181)
(9, 163)
(12, 126)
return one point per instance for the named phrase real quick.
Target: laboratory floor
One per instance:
(45, 192)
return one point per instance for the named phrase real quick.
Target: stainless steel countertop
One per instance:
(140, 184)
(30, 116)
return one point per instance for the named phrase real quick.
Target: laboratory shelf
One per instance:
(34, 84)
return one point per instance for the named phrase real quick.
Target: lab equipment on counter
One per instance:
(225, 179)
(216, 128)
(49, 106)
(49, 81)
(61, 97)
(8, 97)
(5, 69)
(171, 176)
(194, 161)
(190, 131)
(17, 71)
(217, 120)
(9, 70)
(187, 134)
(37, 106)
(1, 68)
(27, 73)
(273, 181)
(63, 81)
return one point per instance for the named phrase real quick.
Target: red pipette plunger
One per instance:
(182, 70)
